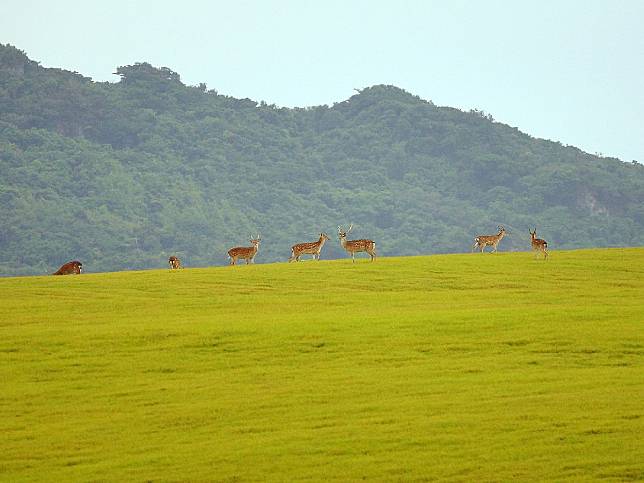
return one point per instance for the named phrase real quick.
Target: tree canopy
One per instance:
(122, 175)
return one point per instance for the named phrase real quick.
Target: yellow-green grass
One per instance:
(464, 367)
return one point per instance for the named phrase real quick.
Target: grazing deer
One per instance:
(482, 241)
(538, 245)
(353, 246)
(174, 263)
(247, 253)
(70, 268)
(312, 248)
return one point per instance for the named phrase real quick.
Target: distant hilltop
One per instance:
(122, 175)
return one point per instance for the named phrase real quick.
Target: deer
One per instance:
(247, 253)
(353, 246)
(70, 268)
(312, 248)
(482, 241)
(174, 262)
(538, 245)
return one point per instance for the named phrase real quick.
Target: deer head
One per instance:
(342, 233)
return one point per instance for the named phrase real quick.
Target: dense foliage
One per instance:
(122, 175)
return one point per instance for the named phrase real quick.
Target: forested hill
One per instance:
(122, 175)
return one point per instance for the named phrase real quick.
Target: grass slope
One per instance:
(465, 367)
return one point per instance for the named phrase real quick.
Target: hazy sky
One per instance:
(570, 71)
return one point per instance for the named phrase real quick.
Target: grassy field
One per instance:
(462, 367)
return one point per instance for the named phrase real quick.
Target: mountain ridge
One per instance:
(124, 174)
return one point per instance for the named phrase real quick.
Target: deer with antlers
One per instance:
(246, 253)
(354, 246)
(538, 245)
(481, 241)
(312, 248)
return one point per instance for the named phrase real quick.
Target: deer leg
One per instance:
(353, 257)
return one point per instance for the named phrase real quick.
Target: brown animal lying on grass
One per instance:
(174, 262)
(70, 268)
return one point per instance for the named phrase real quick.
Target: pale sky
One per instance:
(569, 71)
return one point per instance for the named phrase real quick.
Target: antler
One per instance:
(351, 226)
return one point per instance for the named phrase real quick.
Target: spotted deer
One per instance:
(312, 248)
(538, 245)
(354, 246)
(174, 262)
(247, 253)
(481, 241)
(70, 268)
